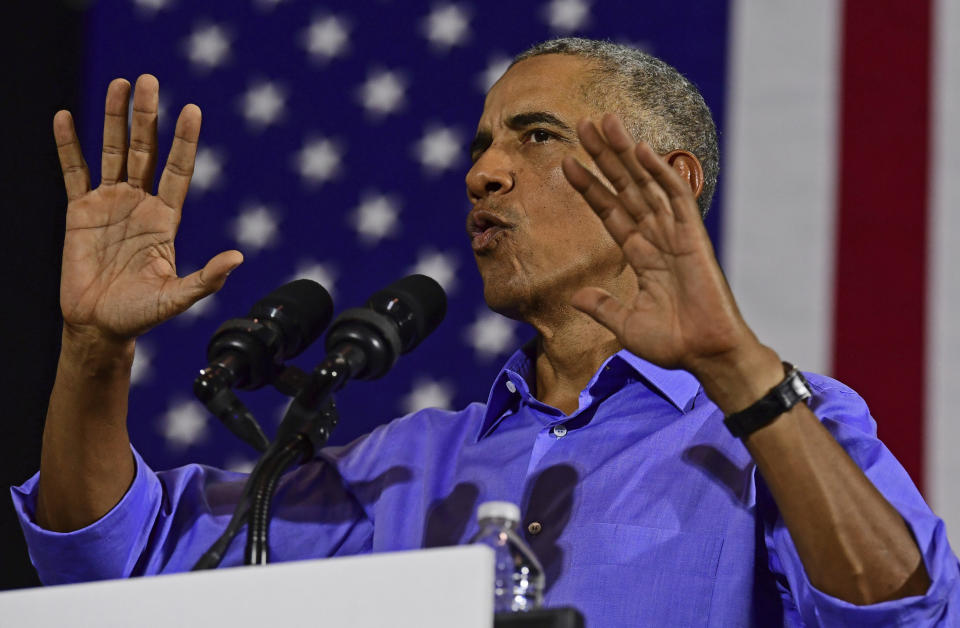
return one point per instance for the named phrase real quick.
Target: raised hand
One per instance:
(119, 274)
(684, 314)
(119, 279)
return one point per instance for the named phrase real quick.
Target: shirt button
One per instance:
(534, 527)
(559, 431)
(511, 386)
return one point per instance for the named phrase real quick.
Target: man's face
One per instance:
(534, 237)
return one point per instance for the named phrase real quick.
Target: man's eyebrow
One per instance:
(483, 139)
(530, 118)
(480, 142)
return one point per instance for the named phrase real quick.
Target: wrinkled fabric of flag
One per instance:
(334, 147)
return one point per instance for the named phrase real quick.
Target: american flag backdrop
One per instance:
(334, 146)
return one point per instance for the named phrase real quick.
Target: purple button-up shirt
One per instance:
(650, 512)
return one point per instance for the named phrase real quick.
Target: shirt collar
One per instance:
(678, 387)
(518, 367)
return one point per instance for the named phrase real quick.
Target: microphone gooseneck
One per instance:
(363, 343)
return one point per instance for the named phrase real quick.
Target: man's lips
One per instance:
(485, 239)
(483, 226)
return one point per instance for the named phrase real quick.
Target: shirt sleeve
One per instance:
(167, 520)
(847, 418)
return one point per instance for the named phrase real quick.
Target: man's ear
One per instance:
(688, 167)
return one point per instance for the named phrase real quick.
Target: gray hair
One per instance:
(655, 101)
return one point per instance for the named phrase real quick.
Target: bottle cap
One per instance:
(499, 510)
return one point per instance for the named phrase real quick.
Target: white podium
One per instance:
(421, 589)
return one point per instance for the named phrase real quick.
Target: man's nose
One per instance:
(491, 174)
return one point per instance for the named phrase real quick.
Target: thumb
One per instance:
(603, 307)
(208, 279)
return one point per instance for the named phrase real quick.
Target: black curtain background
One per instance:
(40, 74)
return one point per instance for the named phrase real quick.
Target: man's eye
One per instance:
(539, 136)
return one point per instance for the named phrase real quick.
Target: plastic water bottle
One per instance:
(518, 576)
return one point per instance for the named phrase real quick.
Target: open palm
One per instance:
(119, 272)
(684, 312)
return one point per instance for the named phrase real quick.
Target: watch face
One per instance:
(799, 385)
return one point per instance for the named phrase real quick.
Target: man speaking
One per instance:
(670, 467)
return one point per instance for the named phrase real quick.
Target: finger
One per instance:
(604, 203)
(603, 156)
(646, 194)
(76, 176)
(114, 158)
(622, 145)
(175, 180)
(613, 154)
(207, 280)
(603, 307)
(597, 195)
(142, 156)
(638, 192)
(677, 190)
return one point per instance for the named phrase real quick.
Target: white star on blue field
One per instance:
(334, 146)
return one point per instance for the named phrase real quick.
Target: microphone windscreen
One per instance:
(302, 308)
(422, 297)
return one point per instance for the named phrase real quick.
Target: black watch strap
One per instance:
(782, 397)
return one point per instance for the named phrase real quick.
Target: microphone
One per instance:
(278, 327)
(364, 343)
(248, 353)
(393, 322)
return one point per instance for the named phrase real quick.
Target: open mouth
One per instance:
(484, 229)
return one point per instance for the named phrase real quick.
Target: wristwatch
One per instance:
(792, 390)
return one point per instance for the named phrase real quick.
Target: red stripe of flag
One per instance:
(882, 219)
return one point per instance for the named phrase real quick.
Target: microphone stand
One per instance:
(276, 458)
(362, 343)
(306, 426)
(263, 486)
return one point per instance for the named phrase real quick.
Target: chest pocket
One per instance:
(645, 576)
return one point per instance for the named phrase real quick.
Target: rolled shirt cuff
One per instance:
(938, 606)
(101, 550)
